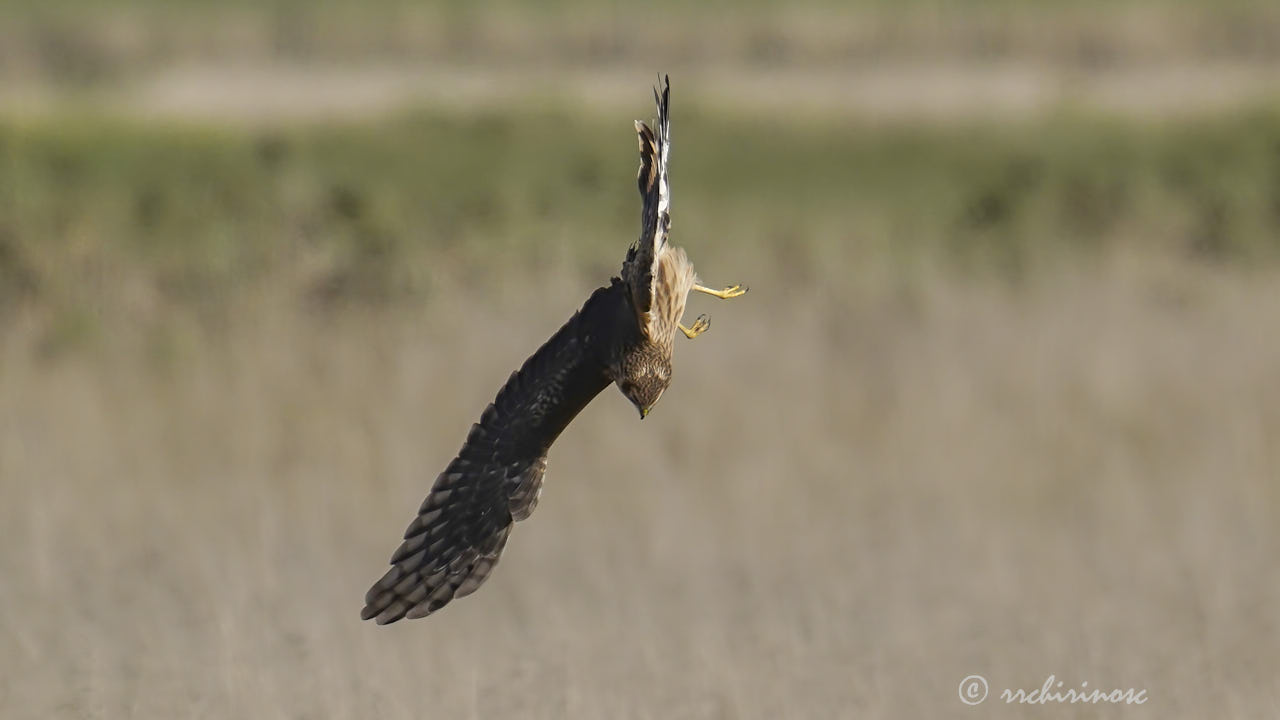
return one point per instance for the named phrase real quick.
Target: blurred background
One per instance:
(1004, 398)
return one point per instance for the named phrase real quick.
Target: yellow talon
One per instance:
(699, 326)
(725, 294)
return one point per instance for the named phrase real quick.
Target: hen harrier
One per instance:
(623, 334)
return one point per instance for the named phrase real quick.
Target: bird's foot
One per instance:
(728, 293)
(699, 326)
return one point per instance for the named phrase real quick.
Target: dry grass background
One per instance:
(848, 502)
(1003, 398)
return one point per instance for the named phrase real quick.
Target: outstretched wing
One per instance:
(641, 266)
(454, 542)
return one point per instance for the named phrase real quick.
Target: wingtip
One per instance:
(662, 89)
(378, 614)
(663, 101)
(385, 613)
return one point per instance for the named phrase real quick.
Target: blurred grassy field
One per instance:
(79, 41)
(840, 507)
(100, 219)
(1002, 399)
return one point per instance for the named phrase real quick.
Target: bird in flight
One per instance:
(623, 334)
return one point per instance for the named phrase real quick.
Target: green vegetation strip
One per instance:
(197, 214)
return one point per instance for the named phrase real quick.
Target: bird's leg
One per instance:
(699, 326)
(725, 294)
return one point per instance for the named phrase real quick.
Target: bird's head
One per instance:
(644, 384)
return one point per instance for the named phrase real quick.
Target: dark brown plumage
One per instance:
(623, 334)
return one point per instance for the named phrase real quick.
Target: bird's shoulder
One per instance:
(572, 363)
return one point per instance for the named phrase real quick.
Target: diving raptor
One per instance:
(623, 334)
